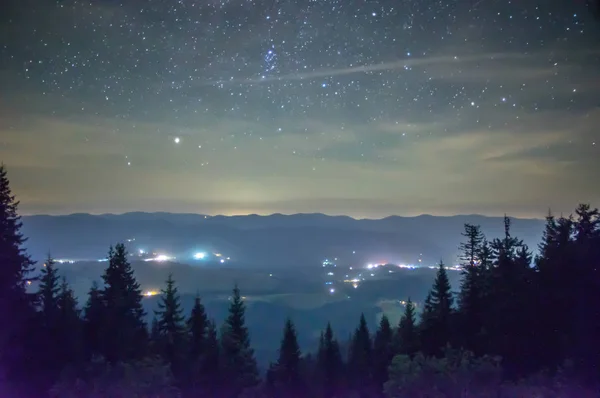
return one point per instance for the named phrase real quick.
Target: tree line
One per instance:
(518, 326)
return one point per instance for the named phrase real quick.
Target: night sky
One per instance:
(365, 108)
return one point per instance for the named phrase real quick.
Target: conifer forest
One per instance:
(519, 326)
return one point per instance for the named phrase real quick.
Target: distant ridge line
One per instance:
(254, 215)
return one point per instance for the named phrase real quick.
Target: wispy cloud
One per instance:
(478, 67)
(390, 65)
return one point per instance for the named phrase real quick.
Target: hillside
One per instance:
(266, 241)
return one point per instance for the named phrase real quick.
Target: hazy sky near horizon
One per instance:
(365, 108)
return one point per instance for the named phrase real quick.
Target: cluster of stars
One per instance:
(281, 65)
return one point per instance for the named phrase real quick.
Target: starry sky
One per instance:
(357, 107)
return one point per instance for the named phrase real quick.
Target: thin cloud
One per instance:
(497, 63)
(392, 65)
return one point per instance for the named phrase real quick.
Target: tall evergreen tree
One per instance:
(48, 292)
(285, 374)
(552, 325)
(197, 328)
(436, 324)
(124, 331)
(93, 322)
(407, 337)
(559, 285)
(197, 368)
(171, 326)
(470, 249)
(586, 294)
(441, 294)
(329, 365)
(70, 326)
(50, 331)
(486, 266)
(17, 305)
(239, 365)
(360, 360)
(383, 352)
(212, 363)
(509, 319)
(471, 303)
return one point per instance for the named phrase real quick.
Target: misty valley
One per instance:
(310, 295)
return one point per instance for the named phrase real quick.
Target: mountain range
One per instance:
(271, 241)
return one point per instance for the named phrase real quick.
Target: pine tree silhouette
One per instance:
(329, 367)
(471, 304)
(197, 325)
(70, 339)
(48, 292)
(586, 294)
(171, 327)
(51, 329)
(285, 374)
(383, 352)
(556, 282)
(93, 322)
(17, 304)
(360, 360)
(213, 378)
(197, 329)
(407, 338)
(510, 296)
(239, 365)
(124, 334)
(436, 323)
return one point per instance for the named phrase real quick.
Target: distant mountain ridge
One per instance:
(275, 240)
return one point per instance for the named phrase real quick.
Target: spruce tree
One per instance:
(48, 292)
(239, 365)
(17, 305)
(471, 303)
(285, 374)
(486, 267)
(70, 338)
(15, 264)
(407, 338)
(427, 333)
(510, 313)
(586, 292)
(587, 225)
(93, 322)
(441, 294)
(471, 248)
(436, 324)
(124, 333)
(383, 352)
(171, 326)
(197, 329)
(211, 361)
(329, 365)
(556, 288)
(549, 242)
(360, 360)
(48, 301)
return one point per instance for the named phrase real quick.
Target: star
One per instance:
(310, 106)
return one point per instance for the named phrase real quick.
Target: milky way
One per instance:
(358, 107)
